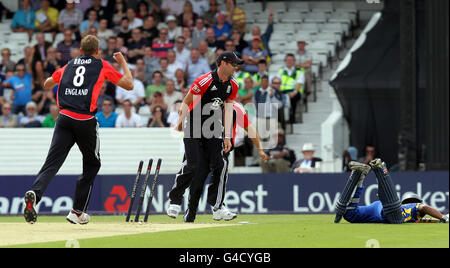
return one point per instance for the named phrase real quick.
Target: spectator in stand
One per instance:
(157, 100)
(8, 119)
(158, 118)
(268, 101)
(23, 20)
(100, 11)
(111, 49)
(21, 83)
(40, 49)
(142, 10)
(47, 18)
(213, 43)
(304, 61)
(206, 53)
(70, 18)
(120, 12)
(309, 163)
(196, 66)
(279, 157)
(211, 15)
(292, 81)
(103, 32)
(151, 64)
(6, 65)
(172, 119)
(149, 29)
(31, 118)
(91, 21)
(170, 96)
(188, 17)
(140, 71)
(173, 65)
(222, 28)
(156, 86)
(162, 44)
(198, 32)
(50, 120)
(173, 29)
(65, 46)
(43, 97)
(133, 21)
(136, 46)
(135, 96)
(163, 64)
(200, 7)
(182, 53)
(240, 76)
(217, 53)
(265, 38)
(51, 64)
(172, 7)
(238, 41)
(27, 59)
(102, 96)
(262, 70)
(247, 92)
(187, 34)
(252, 55)
(370, 155)
(351, 154)
(236, 16)
(125, 31)
(107, 117)
(128, 119)
(180, 81)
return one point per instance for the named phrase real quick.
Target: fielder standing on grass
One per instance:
(79, 85)
(206, 116)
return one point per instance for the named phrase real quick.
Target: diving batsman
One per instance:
(389, 209)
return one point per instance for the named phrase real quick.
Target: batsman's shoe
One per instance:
(173, 210)
(29, 211)
(365, 169)
(444, 219)
(80, 218)
(223, 214)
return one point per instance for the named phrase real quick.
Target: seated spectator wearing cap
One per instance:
(128, 119)
(309, 163)
(23, 19)
(162, 44)
(196, 66)
(253, 54)
(107, 117)
(173, 29)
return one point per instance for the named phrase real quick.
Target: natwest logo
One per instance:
(118, 200)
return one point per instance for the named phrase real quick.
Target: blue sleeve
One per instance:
(14, 23)
(31, 25)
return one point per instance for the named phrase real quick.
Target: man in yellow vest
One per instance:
(292, 82)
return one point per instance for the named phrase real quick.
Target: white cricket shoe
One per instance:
(223, 214)
(75, 218)
(173, 210)
(29, 212)
(445, 218)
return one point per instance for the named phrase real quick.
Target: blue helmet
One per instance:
(409, 198)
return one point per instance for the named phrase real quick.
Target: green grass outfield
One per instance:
(261, 231)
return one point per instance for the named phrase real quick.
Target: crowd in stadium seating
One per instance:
(168, 44)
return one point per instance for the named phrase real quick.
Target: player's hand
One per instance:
(227, 145)
(119, 58)
(264, 157)
(179, 127)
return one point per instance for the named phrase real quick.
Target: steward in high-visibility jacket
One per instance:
(292, 79)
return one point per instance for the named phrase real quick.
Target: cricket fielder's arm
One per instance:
(427, 210)
(184, 110)
(228, 124)
(253, 134)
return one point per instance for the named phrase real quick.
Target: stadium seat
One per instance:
(255, 6)
(276, 6)
(298, 6)
(303, 36)
(308, 28)
(342, 17)
(291, 17)
(316, 17)
(321, 6)
(345, 6)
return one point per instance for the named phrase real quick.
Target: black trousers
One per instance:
(67, 132)
(294, 103)
(202, 157)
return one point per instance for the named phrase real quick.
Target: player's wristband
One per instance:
(228, 137)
